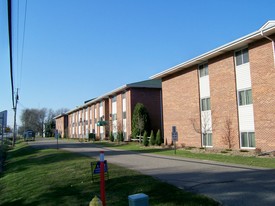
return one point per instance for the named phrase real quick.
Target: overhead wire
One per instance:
(23, 43)
(17, 42)
(10, 50)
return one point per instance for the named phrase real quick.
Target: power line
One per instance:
(17, 41)
(10, 45)
(23, 42)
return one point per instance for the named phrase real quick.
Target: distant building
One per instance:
(61, 124)
(3, 118)
(228, 92)
(116, 109)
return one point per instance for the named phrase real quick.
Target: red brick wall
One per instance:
(93, 117)
(106, 117)
(61, 124)
(128, 113)
(263, 93)
(96, 105)
(58, 124)
(119, 112)
(151, 99)
(223, 99)
(180, 104)
(181, 99)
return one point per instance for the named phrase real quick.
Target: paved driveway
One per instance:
(226, 183)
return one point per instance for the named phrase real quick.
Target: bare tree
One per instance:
(120, 131)
(228, 137)
(61, 111)
(205, 125)
(34, 119)
(196, 125)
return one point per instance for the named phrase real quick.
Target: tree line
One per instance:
(41, 121)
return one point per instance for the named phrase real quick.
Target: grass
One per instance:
(55, 177)
(242, 160)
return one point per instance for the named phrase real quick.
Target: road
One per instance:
(227, 183)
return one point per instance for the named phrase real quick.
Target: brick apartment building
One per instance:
(116, 108)
(226, 93)
(61, 124)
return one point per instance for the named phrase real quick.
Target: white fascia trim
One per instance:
(215, 52)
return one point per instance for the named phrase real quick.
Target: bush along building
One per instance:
(224, 98)
(112, 112)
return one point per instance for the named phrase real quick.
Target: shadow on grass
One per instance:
(142, 149)
(62, 195)
(25, 157)
(118, 189)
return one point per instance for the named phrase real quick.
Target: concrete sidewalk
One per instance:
(227, 183)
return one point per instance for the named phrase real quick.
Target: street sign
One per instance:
(56, 134)
(174, 129)
(174, 134)
(174, 137)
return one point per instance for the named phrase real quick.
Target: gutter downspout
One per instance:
(273, 46)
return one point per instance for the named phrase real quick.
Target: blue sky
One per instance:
(75, 50)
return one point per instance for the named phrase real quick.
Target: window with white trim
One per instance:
(248, 139)
(241, 56)
(207, 139)
(203, 70)
(114, 117)
(245, 97)
(205, 104)
(114, 109)
(114, 99)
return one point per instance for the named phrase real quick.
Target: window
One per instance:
(241, 56)
(205, 104)
(203, 69)
(124, 115)
(114, 117)
(245, 97)
(247, 139)
(207, 139)
(114, 99)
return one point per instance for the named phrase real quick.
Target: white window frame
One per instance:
(239, 99)
(208, 103)
(243, 61)
(203, 70)
(207, 139)
(248, 141)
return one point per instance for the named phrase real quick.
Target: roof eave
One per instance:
(243, 41)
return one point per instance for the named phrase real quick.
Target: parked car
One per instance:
(29, 135)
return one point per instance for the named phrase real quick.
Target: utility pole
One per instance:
(2, 130)
(14, 126)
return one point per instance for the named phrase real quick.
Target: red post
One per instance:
(102, 176)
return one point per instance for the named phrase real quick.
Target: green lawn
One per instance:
(242, 160)
(55, 177)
